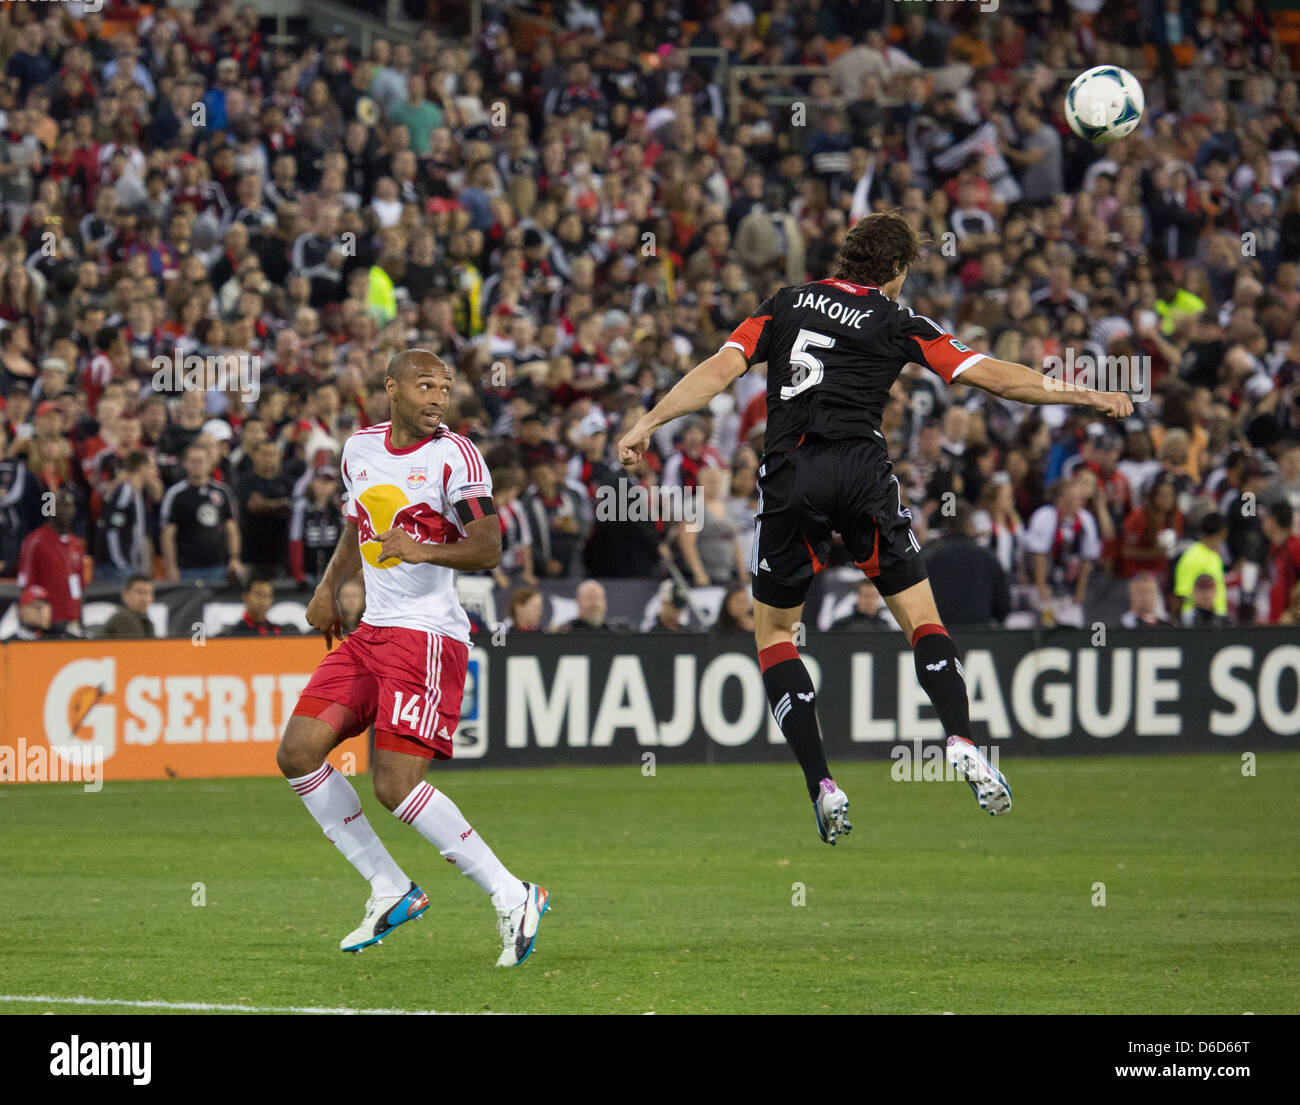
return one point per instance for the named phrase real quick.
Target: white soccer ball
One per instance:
(1104, 104)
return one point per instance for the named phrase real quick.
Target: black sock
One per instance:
(941, 677)
(790, 695)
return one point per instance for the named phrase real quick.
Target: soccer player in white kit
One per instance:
(418, 508)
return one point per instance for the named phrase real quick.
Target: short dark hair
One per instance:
(1282, 513)
(133, 580)
(878, 248)
(1212, 523)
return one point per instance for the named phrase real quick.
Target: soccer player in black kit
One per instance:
(833, 350)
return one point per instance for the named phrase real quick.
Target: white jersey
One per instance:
(425, 490)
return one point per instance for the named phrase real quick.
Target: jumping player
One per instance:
(418, 508)
(833, 350)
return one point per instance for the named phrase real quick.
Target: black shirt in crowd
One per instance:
(265, 536)
(199, 515)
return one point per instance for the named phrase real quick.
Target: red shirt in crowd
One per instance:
(54, 561)
(1286, 573)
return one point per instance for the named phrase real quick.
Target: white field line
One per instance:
(213, 1007)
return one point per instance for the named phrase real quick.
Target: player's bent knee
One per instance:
(395, 776)
(304, 746)
(390, 792)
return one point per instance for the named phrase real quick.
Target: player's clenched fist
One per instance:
(635, 442)
(397, 544)
(1115, 404)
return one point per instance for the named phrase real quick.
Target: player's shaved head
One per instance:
(409, 363)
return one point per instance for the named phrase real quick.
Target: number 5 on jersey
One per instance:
(806, 370)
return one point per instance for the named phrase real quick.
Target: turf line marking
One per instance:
(216, 1007)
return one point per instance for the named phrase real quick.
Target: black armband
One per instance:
(477, 507)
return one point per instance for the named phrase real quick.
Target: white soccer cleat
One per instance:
(832, 809)
(991, 789)
(383, 915)
(518, 928)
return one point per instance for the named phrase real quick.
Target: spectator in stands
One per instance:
(258, 597)
(693, 453)
(1063, 543)
(265, 504)
(21, 499)
(1288, 481)
(1151, 532)
(591, 608)
(525, 612)
(1203, 559)
(1284, 557)
(557, 521)
(124, 548)
(970, 587)
(35, 616)
(131, 619)
(1145, 610)
(673, 604)
(1291, 615)
(200, 537)
(314, 526)
(1004, 533)
(1202, 613)
(737, 612)
(54, 559)
(589, 467)
(352, 603)
(867, 612)
(709, 539)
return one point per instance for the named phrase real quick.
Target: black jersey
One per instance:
(833, 351)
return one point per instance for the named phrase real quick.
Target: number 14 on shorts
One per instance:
(410, 713)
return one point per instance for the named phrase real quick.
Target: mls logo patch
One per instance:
(418, 477)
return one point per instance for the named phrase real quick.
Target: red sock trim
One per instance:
(926, 630)
(777, 654)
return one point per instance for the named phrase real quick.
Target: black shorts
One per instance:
(819, 488)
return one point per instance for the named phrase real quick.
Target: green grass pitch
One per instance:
(675, 893)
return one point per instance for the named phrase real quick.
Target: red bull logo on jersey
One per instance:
(384, 507)
(417, 478)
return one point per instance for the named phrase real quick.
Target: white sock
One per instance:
(333, 801)
(442, 825)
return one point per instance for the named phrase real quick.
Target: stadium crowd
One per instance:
(214, 242)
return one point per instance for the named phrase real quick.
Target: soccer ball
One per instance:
(1104, 104)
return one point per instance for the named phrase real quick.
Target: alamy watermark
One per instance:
(178, 371)
(53, 763)
(1105, 373)
(917, 763)
(634, 503)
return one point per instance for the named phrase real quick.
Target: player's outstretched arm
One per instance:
(324, 612)
(1023, 385)
(693, 391)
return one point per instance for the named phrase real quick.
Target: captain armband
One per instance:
(476, 507)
